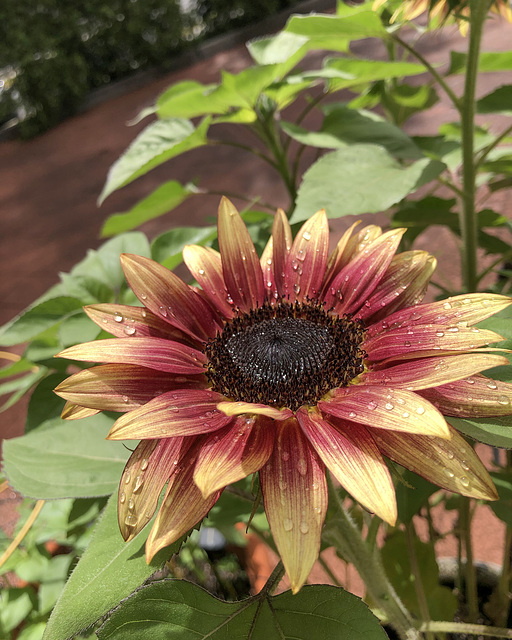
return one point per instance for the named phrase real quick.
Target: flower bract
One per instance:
(287, 365)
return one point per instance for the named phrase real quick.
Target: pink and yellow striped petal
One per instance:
(235, 408)
(266, 261)
(351, 455)
(73, 411)
(386, 408)
(168, 297)
(240, 262)
(184, 412)
(282, 241)
(122, 387)
(338, 258)
(295, 495)
(154, 353)
(451, 464)
(233, 453)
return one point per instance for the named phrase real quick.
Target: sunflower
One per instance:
(440, 10)
(288, 365)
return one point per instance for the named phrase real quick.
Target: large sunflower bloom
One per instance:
(287, 364)
(440, 10)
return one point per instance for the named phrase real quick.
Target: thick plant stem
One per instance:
(470, 573)
(468, 218)
(346, 537)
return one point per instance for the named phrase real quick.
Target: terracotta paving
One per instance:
(49, 188)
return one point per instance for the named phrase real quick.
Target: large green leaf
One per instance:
(172, 610)
(109, 571)
(157, 143)
(347, 72)
(164, 199)
(494, 431)
(167, 248)
(188, 99)
(498, 101)
(65, 459)
(488, 61)
(364, 24)
(359, 179)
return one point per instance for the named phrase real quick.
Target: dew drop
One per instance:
(450, 455)
(372, 405)
(269, 261)
(104, 321)
(143, 296)
(304, 527)
(122, 497)
(407, 343)
(118, 317)
(130, 331)
(302, 467)
(448, 473)
(306, 235)
(420, 411)
(127, 477)
(464, 465)
(202, 272)
(447, 305)
(405, 414)
(288, 524)
(389, 406)
(163, 311)
(492, 385)
(144, 464)
(126, 399)
(439, 334)
(464, 481)
(296, 288)
(138, 484)
(143, 313)
(130, 520)
(503, 400)
(131, 503)
(352, 414)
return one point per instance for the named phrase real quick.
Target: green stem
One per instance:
(470, 573)
(485, 152)
(437, 77)
(463, 627)
(346, 537)
(504, 581)
(468, 218)
(410, 532)
(328, 571)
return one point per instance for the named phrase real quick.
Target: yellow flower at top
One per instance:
(440, 10)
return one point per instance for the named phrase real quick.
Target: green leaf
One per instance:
(320, 28)
(66, 459)
(353, 71)
(503, 507)
(157, 143)
(278, 49)
(109, 571)
(53, 582)
(488, 61)
(20, 366)
(167, 248)
(189, 99)
(412, 493)
(44, 404)
(164, 199)
(418, 215)
(15, 605)
(19, 386)
(318, 139)
(77, 328)
(498, 101)
(174, 609)
(404, 100)
(359, 179)
(496, 432)
(37, 318)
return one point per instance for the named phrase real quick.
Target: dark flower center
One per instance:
(287, 354)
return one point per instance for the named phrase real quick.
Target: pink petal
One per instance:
(473, 397)
(73, 411)
(233, 453)
(432, 372)
(423, 339)
(358, 279)
(184, 412)
(458, 311)
(148, 469)
(307, 259)
(154, 353)
(451, 464)
(266, 261)
(168, 297)
(295, 495)
(206, 266)
(122, 321)
(183, 507)
(233, 408)
(403, 285)
(122, 387)
(240, 262)
(386, 408)
(282, 244)
(338, 258)
(352, 456)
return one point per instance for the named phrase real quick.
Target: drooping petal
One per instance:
(352, 456)
(266, 261)
(358, 279)
(458, 311)
(122, 387)
(426, 338)
(148, 469)
(295, 496)
(73, 411)
(386, 408)
(241, 408)
(403, 284)
(154, 353)
(337, 259)
(183, 506)
(307, 259)
(451, 464)
(184, 412)
(432, 372)
(205, 265)
(240, 262)
(233, 453)
(122, 320)
(168, 297)
(473, 397)
(282, 243)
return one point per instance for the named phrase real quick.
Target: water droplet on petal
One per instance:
(389, 406)
(201, 272)
(138, 484)
(447, 305)
(143, 296)
(122, 497)
(306, 235)
(503, 400)
(464, 465)
(296, 288)
(130, 520)
(163, 311)
(288, 524)
(285, 455)
(492, 385)
(126, 399)
(420, 410)
(130, 331)
(464, 481)
(144, 464)
(450, 455)
(143, 313)
(405, 414)
(448, 473)
(304, 527)
(131, 503)
(118, 317)
(439, 334)
(352, 414)
(127, 477)
(372, 405)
